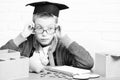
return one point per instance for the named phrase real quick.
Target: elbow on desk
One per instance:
(90, 65)
(87, 64)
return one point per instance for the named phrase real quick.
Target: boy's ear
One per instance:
(58, 28)
(58, 31)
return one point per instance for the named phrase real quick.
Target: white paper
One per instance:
(74, 72)
(86, 76)
(70, 69)
(9, 54)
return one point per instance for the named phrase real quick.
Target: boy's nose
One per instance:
(44, 33)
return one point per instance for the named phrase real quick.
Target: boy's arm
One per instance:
(14, 43)
(82, 57)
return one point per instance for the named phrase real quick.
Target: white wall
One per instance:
(94, 24)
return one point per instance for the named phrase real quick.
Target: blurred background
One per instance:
(94, 24)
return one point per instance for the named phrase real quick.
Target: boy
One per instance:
(43, 44)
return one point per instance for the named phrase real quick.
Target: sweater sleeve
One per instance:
(12, 44)
(24, 48)
(82, 57)
(9, 45)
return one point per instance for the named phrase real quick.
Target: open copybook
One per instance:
(73, 72)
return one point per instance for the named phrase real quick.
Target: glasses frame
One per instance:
(43, 30)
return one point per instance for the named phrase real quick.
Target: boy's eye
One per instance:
(50, 28)
(38, 27)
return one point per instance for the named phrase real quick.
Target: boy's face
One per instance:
(45, 29)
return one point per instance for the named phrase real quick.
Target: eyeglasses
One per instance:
(40, 30)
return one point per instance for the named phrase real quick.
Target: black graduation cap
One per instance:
(50, 7)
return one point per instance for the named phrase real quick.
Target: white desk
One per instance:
(34, 76)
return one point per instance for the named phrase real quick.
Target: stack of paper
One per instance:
(73, 72)
(8, 54)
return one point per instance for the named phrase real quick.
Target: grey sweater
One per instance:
(73, 55)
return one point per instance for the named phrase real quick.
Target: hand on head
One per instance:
(28, 30)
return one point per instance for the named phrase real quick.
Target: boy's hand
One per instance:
(28, 30)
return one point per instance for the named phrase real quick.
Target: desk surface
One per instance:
(34, 76)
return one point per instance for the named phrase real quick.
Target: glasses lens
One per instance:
(50, 30)
(39, 31)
